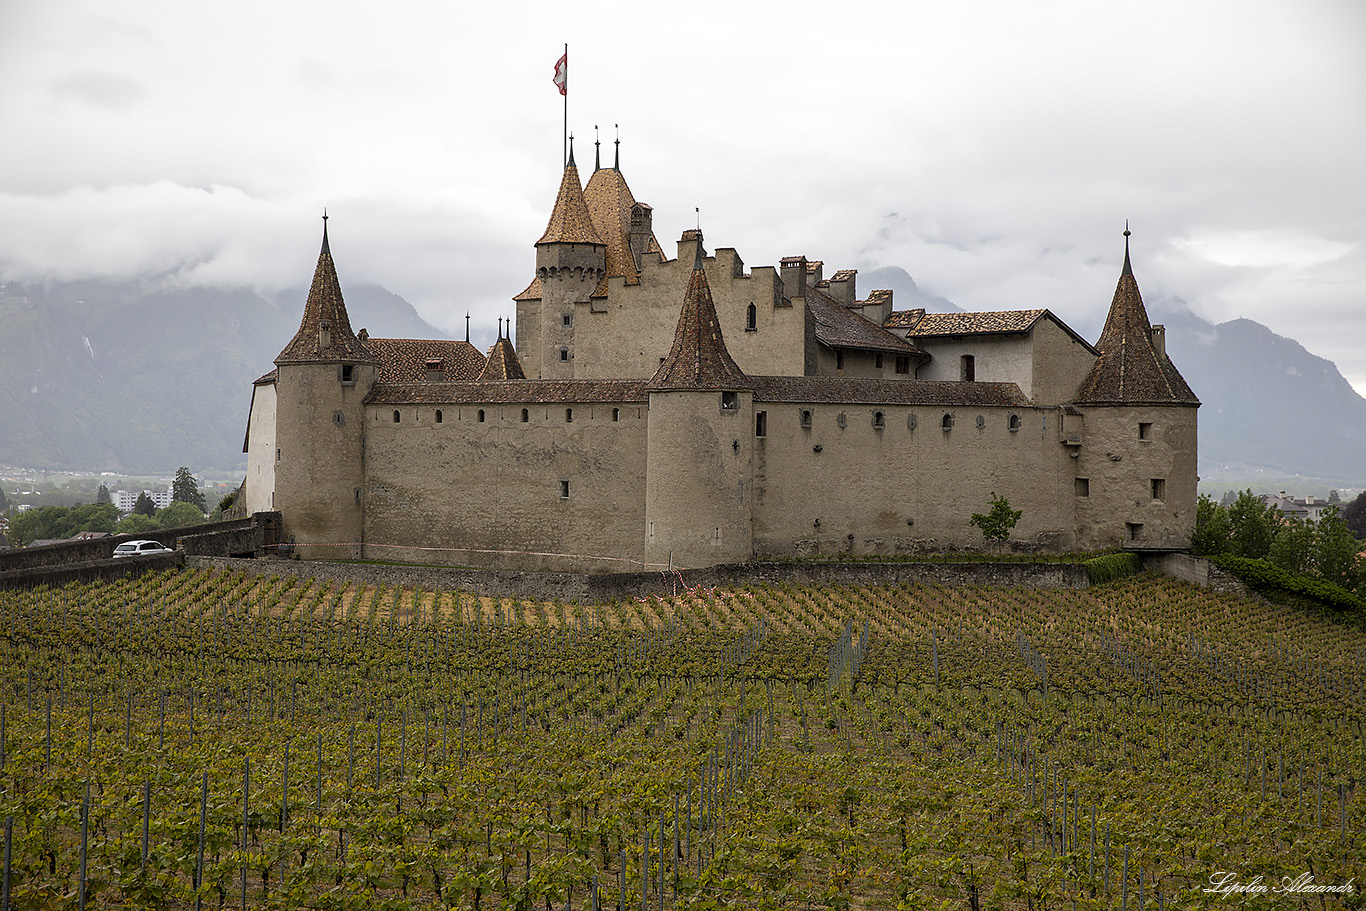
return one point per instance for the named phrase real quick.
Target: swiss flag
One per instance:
(562, 73)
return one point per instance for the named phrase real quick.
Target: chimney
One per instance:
(842, 286)
(689, 246)
(436, 371)
(325, 333)
(642, 220)
(1159, 335)
(793, 273)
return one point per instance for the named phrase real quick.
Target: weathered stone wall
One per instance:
(1119, 467)
(863, 489)
(1197, 571)
(586, 588)
(260, 481)
(1060, 365)
(66, 553)
(89, 571)
(463, 491)
(996, 359)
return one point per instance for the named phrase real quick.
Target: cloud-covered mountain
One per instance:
(138, 376)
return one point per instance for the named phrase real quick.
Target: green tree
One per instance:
(998, 521)
(1338, 552)
(179, 514)
(1295, 547)
(1213, 528)
(1253, 526)
(1334, 497)
(144, 506)
(103, 495)
(136, 523)
(185, 489)
(1354, 514)
(4, 501)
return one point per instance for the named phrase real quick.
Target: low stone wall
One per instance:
(235, 538)
(1197, 571)
(102, 569)
(587, 588)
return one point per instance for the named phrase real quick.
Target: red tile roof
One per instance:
(698, 359)
(502, 363)
(404, 360)
(325, 307)
(873, 391)
(508, 392)
(570, 222)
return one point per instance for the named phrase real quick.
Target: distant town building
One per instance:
(125, 500)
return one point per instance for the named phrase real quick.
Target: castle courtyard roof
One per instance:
(502, 392)
(875, 391)
(404, 360)
(839, 327)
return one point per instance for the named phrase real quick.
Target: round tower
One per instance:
(699, 444)
(324, 374)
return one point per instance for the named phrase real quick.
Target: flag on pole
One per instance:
(562, 73)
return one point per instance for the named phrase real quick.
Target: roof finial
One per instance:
(571, 152)
(1128, 269)
(326, 248)
(500, 328)
(597, 150)
(616, 162)
(467, 327)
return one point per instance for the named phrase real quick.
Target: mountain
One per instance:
(140, 376)
(1274, 415)
(906, 294)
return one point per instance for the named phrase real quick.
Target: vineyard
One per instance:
(207, 739)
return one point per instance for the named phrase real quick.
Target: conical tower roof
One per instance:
(325, 332)
(570, 222)
(610, 202)
(502, 363)
(1130, 370)
(698, 359)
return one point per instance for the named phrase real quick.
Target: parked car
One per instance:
(140, 548)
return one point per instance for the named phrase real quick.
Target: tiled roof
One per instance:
(843, 275)
(1129, 370)
(570, 222)
(508, 392)
(839, 327)
(324, 306)
(502, 363)
(902, 319)
(990, 322)
(404, 360)
(609, 203)
(873, 391)
(878, 297)
(698, 358)
(268, 379)
(532, 292)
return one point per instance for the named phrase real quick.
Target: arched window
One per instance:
(526, 415)
(1014, 423)
(947, 422)
(395, 415)
(616, 414)
(481, 415)
(879, 419)
(751, 318)
(569, 415)
(806, 417)
(438, 415)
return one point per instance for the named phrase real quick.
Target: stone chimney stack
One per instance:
(1159, 336)
(793, 274)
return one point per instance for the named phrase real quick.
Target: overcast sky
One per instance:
(993, 150)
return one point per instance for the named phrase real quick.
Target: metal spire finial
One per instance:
(326, 249)
(571, 152)
(467, 327)
(616, 162)
(1128, 269)
(597, 150)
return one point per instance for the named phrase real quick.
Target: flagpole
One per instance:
(564, 135)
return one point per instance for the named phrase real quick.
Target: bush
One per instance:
(1111, 567)
(1269, 579)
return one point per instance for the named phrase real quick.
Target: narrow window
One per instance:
(1082, 487)
(751, 318)
(903, 365)
(877, 360)
(357, 492)
(395, 415)
(761, 423)
(879, 420)
(564, 490)
(348, 374)
(481, 415)
(981, 422)
(947, 422)
(1135, 530)
(1145, 431)
(567, 320)
(339, 418)
(839, 360)
(806, 418)
(564, 354)
(968, 368)
(1014, 423)
(730, 401)
(910, 421)
(1159, 488)
(277, 455)
(616, 414)
(526, 415)
(438, 415)
(841, 419)
(569, 417)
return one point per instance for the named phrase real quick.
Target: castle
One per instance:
(691, 411)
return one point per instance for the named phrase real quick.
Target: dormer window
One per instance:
(325, 333)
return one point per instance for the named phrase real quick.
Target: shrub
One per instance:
(1111, 567)
(1269, 579)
